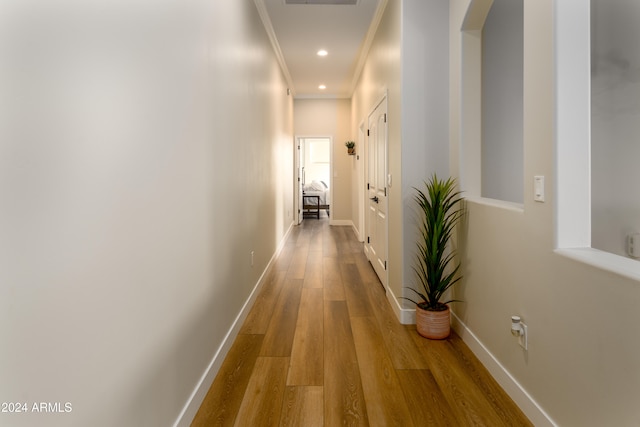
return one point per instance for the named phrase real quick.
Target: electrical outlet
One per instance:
(523, 339)
(521, 331)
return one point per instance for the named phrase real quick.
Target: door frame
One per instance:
(383, 99)
(361, 181)
(297, 180)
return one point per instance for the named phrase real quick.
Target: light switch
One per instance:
(538, 188)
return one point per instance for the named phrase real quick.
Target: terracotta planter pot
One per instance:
(435, 325)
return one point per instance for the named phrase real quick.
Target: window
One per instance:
(581, 100)
(615, 123)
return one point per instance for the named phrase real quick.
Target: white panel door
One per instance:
(376, 241)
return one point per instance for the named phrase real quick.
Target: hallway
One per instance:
(322, 346)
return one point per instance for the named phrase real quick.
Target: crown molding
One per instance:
(268, 26)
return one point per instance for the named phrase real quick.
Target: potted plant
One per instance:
(440, 211)
(351, 147)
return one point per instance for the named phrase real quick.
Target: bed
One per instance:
(315, 197)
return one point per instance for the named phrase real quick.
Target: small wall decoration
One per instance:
(351, 147)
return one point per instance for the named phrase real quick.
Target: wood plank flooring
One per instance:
(322, 347)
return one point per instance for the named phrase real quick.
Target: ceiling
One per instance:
(298, 31)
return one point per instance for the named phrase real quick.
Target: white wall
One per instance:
(425, 113)
(143, 148)
(615, 116)
(408, 62)
(582, 365)
(330, 117)
(381, 75)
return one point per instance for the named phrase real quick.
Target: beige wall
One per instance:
(331, 117)
(582, 366)
(146, 151)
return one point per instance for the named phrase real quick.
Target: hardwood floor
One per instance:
(322, 347)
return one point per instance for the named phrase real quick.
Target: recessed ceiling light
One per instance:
(322, 87)
(322, 52)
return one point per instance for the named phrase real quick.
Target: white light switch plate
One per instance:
(538, 188)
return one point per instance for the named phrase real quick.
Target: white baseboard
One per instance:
(519, 395)
(406, 316)
(359, 235)
(346, 222)
(197, 396)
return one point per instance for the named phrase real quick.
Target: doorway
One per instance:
(314, 172)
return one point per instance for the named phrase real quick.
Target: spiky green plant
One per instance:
(440, 211)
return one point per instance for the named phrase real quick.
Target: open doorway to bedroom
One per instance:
(313, 164)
